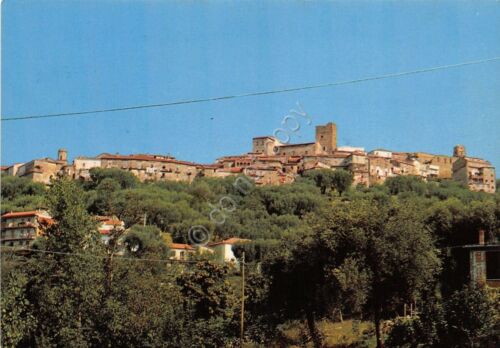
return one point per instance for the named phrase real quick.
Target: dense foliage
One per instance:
(319, 249)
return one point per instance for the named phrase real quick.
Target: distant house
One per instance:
(21, 228)
(180, 251)
(106, 226)
(224, 250)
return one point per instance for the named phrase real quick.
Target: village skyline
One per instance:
(74, 65)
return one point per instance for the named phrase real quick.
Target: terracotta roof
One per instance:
(102, 218)
(3, 168)
(230, 241)
(113, 222)
(181, 246)
(21, 214)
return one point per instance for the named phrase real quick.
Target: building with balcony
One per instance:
(21, 228)
(476, 173)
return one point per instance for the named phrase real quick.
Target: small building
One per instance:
(83, 165)
(476, 173)
(19, 229)
(381, 153)
(224, 250)
(180, 251)
(107, 225)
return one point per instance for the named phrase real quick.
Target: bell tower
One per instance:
(62, 155)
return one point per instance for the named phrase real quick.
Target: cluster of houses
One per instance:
(477, 261)
(272, 162)
(20, 229)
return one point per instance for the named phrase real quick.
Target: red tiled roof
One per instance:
(181, 246)
(113, 222)
(20, 214)
(230, 241)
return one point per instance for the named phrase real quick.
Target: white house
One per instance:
(224, 250)
(381, 153)
(180, 251)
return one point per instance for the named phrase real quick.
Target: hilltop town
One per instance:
(272, 162)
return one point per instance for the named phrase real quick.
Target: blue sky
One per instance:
(65, 56)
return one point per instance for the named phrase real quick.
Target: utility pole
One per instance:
(145, 218)
(242, 319)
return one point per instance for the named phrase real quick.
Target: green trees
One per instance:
(17, 318)
(14, 186)
(470, 318)
(144, 241)
(63, 292)
(124, 178)
(312, 256)
(21, 194)
(389, 246)
(339, 180)
(400, 184)
(466, 319)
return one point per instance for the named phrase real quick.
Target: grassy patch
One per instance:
(349, 333)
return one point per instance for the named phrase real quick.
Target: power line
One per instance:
(253, 94)
(97, 256)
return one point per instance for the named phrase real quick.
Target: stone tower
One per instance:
(326, 137)
(459, 151)
(62, 155)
